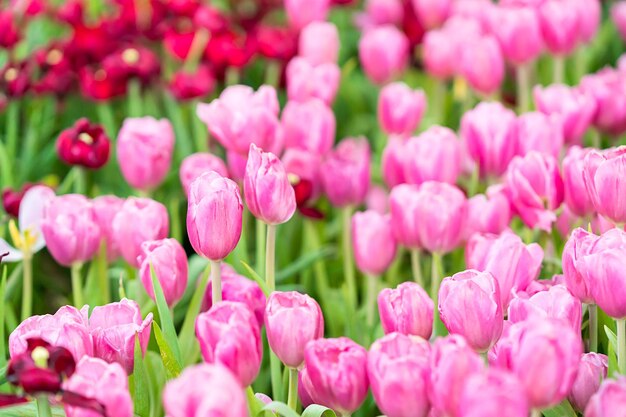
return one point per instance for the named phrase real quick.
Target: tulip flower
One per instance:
(609, 94)
(589, 17)
(319, 43)
(492, 393)
(576, 197)
(407, 309)
(393, 161)
(559, 26)
(470, 305)
(519, 33)
(483, 65)
(400, 109)
(169, 261)
(592, 370)
(601, 174)
(229, 335)
(435, 155)
(439, 47)
(432, 14)
(303, 170)
(399, 372)
(301, 13)
(384, 53)
(346, 172)
(490, 213)
(220, 393)
(192, 85)
(373, 242)
(105, 209)
(618, 15)
(380, 12)
(308, 125)
(84, 144)
(610, 397)
(377, 200)
(154, 141)
(306, 80)
(337, 374)
(197, 164)
(541, 133)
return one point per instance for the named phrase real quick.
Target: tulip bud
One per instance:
(381, 12)
(577, 246)
(219, 393)
(84, 144)
(214, 216)
(105, 209)
(518, 32)
(393, 161)
(378, 200)
(489, 213)
(589, 17)
(618, 15)
(305, 166)
(139, 220)
(169, 261)
(229, 335)
(541, 133)
(300, 13)
(397, 361)
(308, 125)
(154, 141)
(400, 109)
(114, 328)
(337, 370)
(435, 155)
(482, 65)
(470, 305)
(319, 43)
(439, 49)
(384, 53)
(346, 172)
(610, 398)
(559, 25)
(292, 320)
(608, 91)
(186, 85)
(373, 242)
(70, 229)
(604, 182)
(408, 310)
(576, 196)
(432, 13)
(306, 80)
(197, 164)
(592, 370)
(492, 393)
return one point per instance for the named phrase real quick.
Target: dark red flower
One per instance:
(29, 7)
(143, 17)
(90, 44)
(71, 12)
(303, 189)
(179, 8)
(9, 33)
(2, 255)
(190, 85)
(178, 43)
(231, 49)
(55, 73)
(132, 61)
(11, 199)
(211, 19)
(411, 25)
(15, 78)
(84, 144)
(97, 84)
(277, 42)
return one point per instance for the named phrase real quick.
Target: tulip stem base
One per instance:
(260, 245)
(372, 294)
(77, 285)
(621, 346)
(216, 282)
(593, 328)
(43, 406)
(523, 87)
(27, 286)
(270, 257)
(348, 262)
(436, 275)
(292, 396)
(416, 268)
(535, 413)
(558, 68)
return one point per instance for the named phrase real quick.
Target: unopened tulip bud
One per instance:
(400, 109)
(308, 125)
(605, 183)
(435, 155)
(384, 53)
(373, 241)
(407, 309)
(592, 370)
(492, 393)
(197, 164)
(319, 43)
(346, 172)
(169, 261)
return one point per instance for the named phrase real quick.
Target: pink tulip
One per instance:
(400, 109)
(305, 166)
(337, 373)
(404, 202)
(292, 320)
(303, 383)
(577, 246)
(229, 335)
(346, 172)
(105, 208)
(308, 125)
(300, 13)
(219, 394)
(68, 328)
(490, 213)
(607, 89)
(373, 242)
(518, 33)
(576, 196)
(556, 302)
(492, 393)
(105, 383)
(407, 309)
(393, 160)
(269, 194)
(470, 305)
(435, 155)
(377, 200)
(70, 229)
(306, 80)
(439, 54)
(609, 400)
(399, 373)
(241, 116)
(452, 362)
(541, 133)
(382, 12)
(618, 15)
(432, 13)
(544, 355)
(489, 133)
(605, 183)
(575, 108)
(535, 189)
(169, 261)
(236, 165)
(384, 53)
(483, 65)
(592, 370)
(559, 25)
(319, 43)
(139, 220)
(152, 139)
(214, 216)
(589, 17)
(512, 263)
(197, 164)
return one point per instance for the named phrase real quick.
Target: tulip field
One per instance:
(313, 208)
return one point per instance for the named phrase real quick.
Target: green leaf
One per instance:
(172, 367)
(157, 377)
(316, 410)
(564, 409)
(3, 287)
(165, 317)
(281, 409)
(29, 410)
(304, 262)
(612, 351)
(6, 173)
(187, 335)
(256, 277)
(254, 404)
(141, 392)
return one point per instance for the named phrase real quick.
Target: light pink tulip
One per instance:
(197, 164)
(404, 202)
(607, 89)
(382, 12)
(384, 53)
(434, 155)
(346, 172)
(541, 133)
(602, 174)
(105, 209)
(559, 25)
(609, 400)
(432, 13)
(308, 125)
(518, 32)
(589, 17)
(439, 54)
(576, 196)
(483, 65)
(306, 80)
(400, 109)
(492, 393)
(302, 12)
(373, 242)
(144, 151)
(490, 213)
(377, 200)
(236, 165)
(169, 261)
(393, 160)
(578, 245)
(592, 370)
(319, 43)
(407, 309)
(618, 15)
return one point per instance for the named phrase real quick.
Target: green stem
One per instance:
(77, 285)
(260, 245)
(254, 405)
(270, 257)
(292, 397)
(216, 282)
(415, 266)
(134, 98)
(535, 413)
(372, 301)
(439, 101)
(593, 328)
(275, 376)
(558, 68)
(621, 346)
(103, 278)
(596, 140)
(348, 261)
(232, 76)
(199, 130)
(107, 119)
(437, 273)
(80, 182)
(523, 87)
(177, 232)
(27, 286)
(43, 406)
(12, 126)
(272, 73)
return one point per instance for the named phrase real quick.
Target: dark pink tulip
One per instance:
(152, 139)
(482, 65)
(576, 196)
(400, 109)
(268, 192)
(452, 362)
(393, 160)
(308, 125)
(470, 305)
(492, 393)
(544, 354)
(512, 263)
(377, 200)
(302, 12)
(559, 25)
(489, 133)
(70, 229)
(404, 201)
(605, 183)
(434, 155)
(589, 17)
(236, 165)
(242, 116)
(229, 335)
(303, 391)
(609, 400)
(539, 132)
(384, 53)
(337, 372)
(139, 220)
(607, 89)
(439, 54)
(518, 32)
(105, 209)
(219, 394)
(373, 242)
(407, 309)
(574, 107)
(535, 189)
(432, 13)
(618, 15)
(214, 216)
(381, 12)
(319, 43)
(114, 327)
(399, 372)
(197, 164)
(169, 261)
(577, 246)
(346, 172)
(306, 80)
(592, 370)
(292, 320)
(490, 213)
